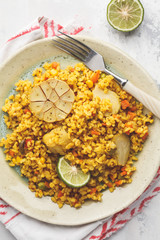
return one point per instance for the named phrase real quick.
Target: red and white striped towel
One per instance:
(24, 227)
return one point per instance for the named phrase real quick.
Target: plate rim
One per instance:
(81, 37)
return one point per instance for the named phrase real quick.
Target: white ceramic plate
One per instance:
(14, 190)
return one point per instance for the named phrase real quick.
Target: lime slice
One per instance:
(125, 15)
(71, 175)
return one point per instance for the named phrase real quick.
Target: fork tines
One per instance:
(72, 46)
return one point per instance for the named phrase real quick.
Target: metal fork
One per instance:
(94, 61)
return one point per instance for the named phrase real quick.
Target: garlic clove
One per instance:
(37, 94)
(50, 115)
(64, 106)
(36, 106)
(52, 82)
(53, 97)
(48, 105)
(61, 87)
(60, 115)
(46, 89)
(68, 96)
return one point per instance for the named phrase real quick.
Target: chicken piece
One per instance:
(112, 96)
(123, 148)
(57, 140)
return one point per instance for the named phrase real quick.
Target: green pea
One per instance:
(119, 176)
(41, 185)
(103, 75)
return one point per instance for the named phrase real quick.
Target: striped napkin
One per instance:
(27, 228)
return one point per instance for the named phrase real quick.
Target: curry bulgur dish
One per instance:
(75, 133)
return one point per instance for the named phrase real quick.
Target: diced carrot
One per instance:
(74, 153)
(60, 194)
(54, 64)
(123, 168)
(76, 201)
(129, 124)
(111, 177)
(115, 116)
(36, 172)
(128, 132)
(80, 161)
(28, 143)
(145, 136)
(104, 124)
(123, 173)
(72, 69)
(95, 76)
(26, 110)
(133, 108)
(109, 185)
(11, 153)
(118, 183)
(95, 132)
(45, 78)
(130, 174)
(131, 115)
(47, 184)
(93, 190)
(125, 104)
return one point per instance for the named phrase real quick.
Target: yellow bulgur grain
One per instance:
(92, 152)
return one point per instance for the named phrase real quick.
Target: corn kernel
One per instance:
(54, 72)
(18, 159)
(89, 83)
(42, 160)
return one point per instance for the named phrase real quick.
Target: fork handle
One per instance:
(121, 81)
(151, 103)
(148, 101)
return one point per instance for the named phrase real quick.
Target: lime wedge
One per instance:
(125, 15)
(71, 175)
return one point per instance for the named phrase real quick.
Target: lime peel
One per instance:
(72, 176)
(125, 15)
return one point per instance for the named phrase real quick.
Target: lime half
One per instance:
(125, 15)
(72, 175)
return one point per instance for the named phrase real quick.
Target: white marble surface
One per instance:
(142, 44)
